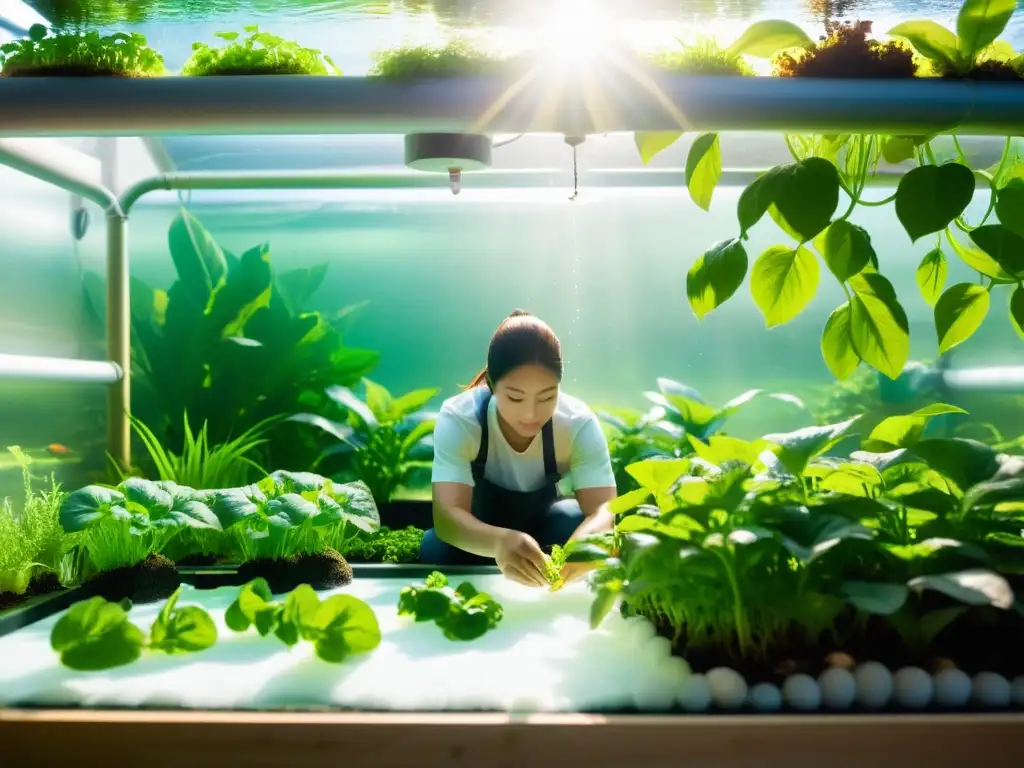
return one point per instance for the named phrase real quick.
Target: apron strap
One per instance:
(480, 462)
(547, 435)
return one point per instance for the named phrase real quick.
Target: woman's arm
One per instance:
(596, 516)
(456, 525)
(592, 479)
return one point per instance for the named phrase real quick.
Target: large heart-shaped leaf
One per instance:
(929, 197)
(837, 343)
(931, 275)
(879, 329)
(715, 276)
(959, 312)
(783, 282)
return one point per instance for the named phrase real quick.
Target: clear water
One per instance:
(439, 273)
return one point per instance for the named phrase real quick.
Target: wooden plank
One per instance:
(309, 740)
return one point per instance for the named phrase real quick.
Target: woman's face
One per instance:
(527, 397)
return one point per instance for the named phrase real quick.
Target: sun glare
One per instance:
(575, 35)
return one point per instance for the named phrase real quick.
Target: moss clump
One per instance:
(387, 546)
(702, 57)
(323, 570)
(155, 578)
(257, 53)
(846, 52)
(991, 69)
(79, 55)
(457, 58)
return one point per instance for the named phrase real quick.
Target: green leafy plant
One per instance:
(379, 439)
(339, 627)
(456, 58)
(461, 613)
(75, 53)
(759, 550)
(96, 634)
(122, 526)
(679, 412)
(231, 345)
(32, 543)
(256, 53)
(385, 546)
(974, 50)
(846, 51)
(201, 466)
(292, 514)
(553, 565)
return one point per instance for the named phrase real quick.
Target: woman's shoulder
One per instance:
(573, 411)
(462, 406)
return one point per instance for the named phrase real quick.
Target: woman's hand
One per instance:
(573, 571)
(519, 557)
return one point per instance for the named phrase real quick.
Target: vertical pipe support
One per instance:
(119, 340)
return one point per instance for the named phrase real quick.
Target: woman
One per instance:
(500, 448)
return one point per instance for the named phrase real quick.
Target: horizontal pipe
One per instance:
(33, 368)
(59, 165)
(390, 179)
(616, 101)
(1007, 379)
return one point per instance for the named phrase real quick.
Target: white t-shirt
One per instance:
(581, 452)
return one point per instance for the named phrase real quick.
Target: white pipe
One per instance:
(999, 378)
(33, 368)
(58, 164)
(616, 101)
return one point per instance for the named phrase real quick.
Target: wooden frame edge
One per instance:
(220, 738)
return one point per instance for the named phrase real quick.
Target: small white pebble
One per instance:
(728, 688)
(838, 688)
(1017, 690)
(658, 648)
(695, 694)
(913, 688)
(801, 692)
(874, 684)
(952, 687)
(990, 690)
(765, 697)
(641, 629)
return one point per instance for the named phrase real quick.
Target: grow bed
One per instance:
(542, 656)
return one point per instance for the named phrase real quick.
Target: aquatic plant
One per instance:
(339, 627)
(754, 553)
(974, 50)
(74, 53)
(290, 514)
(379, 437)
(122, 526)
(256, 53)
(461, 613)
(231, 345)
(201, 466)
(456, 58)
(385, 546)
(679, 412)
(703, 56)
(846, 51)
(96, 634)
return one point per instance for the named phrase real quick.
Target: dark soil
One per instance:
(155, 578)
(61, 70)
(845, 52)
(43, 584)
(986, 639)
(990, 70)
(324, 570)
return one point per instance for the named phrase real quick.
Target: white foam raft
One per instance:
(542, 657)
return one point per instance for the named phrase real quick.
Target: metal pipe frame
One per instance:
(614, 101)
(61, 369)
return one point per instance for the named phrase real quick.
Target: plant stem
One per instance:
(875, 203)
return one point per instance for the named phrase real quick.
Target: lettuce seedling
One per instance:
(96, 634)
(293, 513)
(339, 627)
(121, 54)
(122, 526)
(553, 566)
(461, 613)
(257, 53)
(385, 546)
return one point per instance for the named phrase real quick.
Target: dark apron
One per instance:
(519, 510)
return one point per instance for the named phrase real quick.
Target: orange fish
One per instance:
(57, 449)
